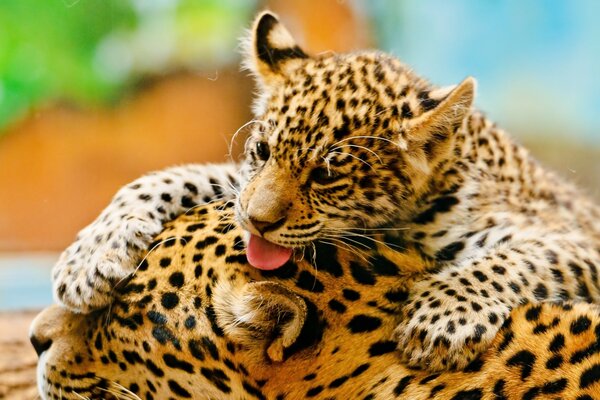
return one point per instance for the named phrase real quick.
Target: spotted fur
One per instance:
(198, 322)
(348, 144)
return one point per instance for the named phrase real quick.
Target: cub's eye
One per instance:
(323, 176)
(262, 150)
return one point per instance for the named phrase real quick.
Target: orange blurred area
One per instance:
(63, 165)
(60, 166)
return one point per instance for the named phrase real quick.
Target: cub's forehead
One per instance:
(332, 96)
(333, 70)
(324, 89)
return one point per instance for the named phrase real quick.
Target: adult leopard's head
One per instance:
(196, 321)
(340, 142)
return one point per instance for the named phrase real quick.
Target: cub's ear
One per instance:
(428, 139)
(270, 49)
(443, 109)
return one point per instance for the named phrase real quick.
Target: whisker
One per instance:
(328, 164)
(364, 137)
(359, 147)
(108, 313)
(145, 257)
(346, 235)
(132, 274)
(248, 139)
(119, 395)
(351, 155)
(354, 249)
(368, 229)
(237, 132)
(235, 189)
(302, 255)
(224, 218)
(382, 111)
(80, 396)
(337, 243)
(225, 187)
(226, 204)
(131, 395)
(216, 199)
(366, 247)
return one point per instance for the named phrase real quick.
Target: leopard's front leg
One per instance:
(452, 316)
(110, 248)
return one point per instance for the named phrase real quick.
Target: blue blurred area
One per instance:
(25, 282)
(537, 62)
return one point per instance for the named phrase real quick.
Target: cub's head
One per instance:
(340, 141)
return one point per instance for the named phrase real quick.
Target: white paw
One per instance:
(105, 254)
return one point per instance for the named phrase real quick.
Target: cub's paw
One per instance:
(445, 332)
(104, 255)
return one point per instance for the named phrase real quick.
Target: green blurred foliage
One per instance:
(90, 51)
(47, 48)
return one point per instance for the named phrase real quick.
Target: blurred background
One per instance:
(94, 93)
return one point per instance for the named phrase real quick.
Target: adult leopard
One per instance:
(345, 144)
(197, 321)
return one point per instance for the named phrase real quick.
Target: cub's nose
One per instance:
(266, 226)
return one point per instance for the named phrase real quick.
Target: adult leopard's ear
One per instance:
(262, 314)
(271, 49)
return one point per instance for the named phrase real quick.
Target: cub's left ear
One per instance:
(443, 111)
(271, 49)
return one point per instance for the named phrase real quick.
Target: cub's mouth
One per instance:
(266, 255)
(267, 247)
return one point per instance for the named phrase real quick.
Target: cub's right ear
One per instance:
(270, 48)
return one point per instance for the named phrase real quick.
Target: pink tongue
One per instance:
(266, 255)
